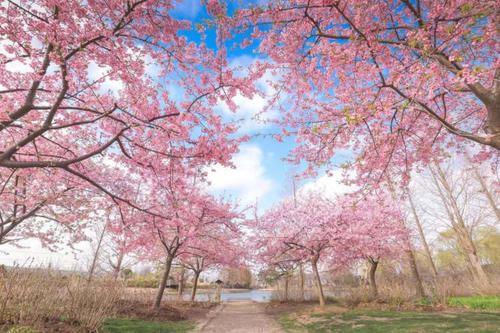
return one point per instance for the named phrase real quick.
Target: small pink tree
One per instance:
(376, 230)
(301, 232)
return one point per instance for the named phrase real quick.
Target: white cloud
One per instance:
(248, 179)
(330, 186)
(32, 254)
(96, 72)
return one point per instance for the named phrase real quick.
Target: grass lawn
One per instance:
(476, 302)
(386, 321)
(142, 326)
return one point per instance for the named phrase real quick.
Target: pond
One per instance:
(256, 295)
(251, 295)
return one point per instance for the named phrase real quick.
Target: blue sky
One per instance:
(260, 174)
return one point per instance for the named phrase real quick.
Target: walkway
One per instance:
(239, 317)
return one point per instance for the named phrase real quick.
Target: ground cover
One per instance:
(389, 321)
(478, 302)
(127, 325)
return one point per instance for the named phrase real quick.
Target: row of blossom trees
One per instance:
(107, 115)
(329, 232)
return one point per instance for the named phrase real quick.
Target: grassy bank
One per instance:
(490, 302)
(387, 321)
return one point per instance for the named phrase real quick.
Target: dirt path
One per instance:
(239, 317)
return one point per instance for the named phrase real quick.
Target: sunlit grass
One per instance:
(140, 326)
(490, 302)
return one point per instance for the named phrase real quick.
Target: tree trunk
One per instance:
(163, 284)
(424, 242)
(366, 275)
(492, 103)
(319, 287)
(417, 281)
(180, 288)
(373, 283)
(286, 286)
(195, 285)
(96, 253)
(301, 283)
(118, 267)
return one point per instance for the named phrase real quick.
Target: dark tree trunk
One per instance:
(373, 269)
(319, 287)
(195, 285)
(163, 284)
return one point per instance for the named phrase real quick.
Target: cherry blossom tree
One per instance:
(88, 85)
(218, 246)
(180, 219)
(303, 231)
(335, 233)
(54, 212)
(387, 80)
(378, 231)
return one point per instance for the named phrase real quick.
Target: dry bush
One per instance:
(37, 296)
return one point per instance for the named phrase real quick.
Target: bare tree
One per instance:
(456, 212)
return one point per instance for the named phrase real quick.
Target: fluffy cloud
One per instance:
(96, 72)
(248, 180)
(330, 186)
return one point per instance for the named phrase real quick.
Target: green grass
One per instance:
(476, 302)
(141, 326)
(386, 321)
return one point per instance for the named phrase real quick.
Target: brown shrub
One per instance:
(37, 296)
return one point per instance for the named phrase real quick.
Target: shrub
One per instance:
(34, 296)
(144, 281)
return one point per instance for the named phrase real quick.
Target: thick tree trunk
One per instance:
(301, 283)
(180, 287)
(373, 283)
(195, 285)
(492, 103)
(424, 242)
(163, 284)
(366, 275)
(463, 233)
(417, 281)
(319, 287)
